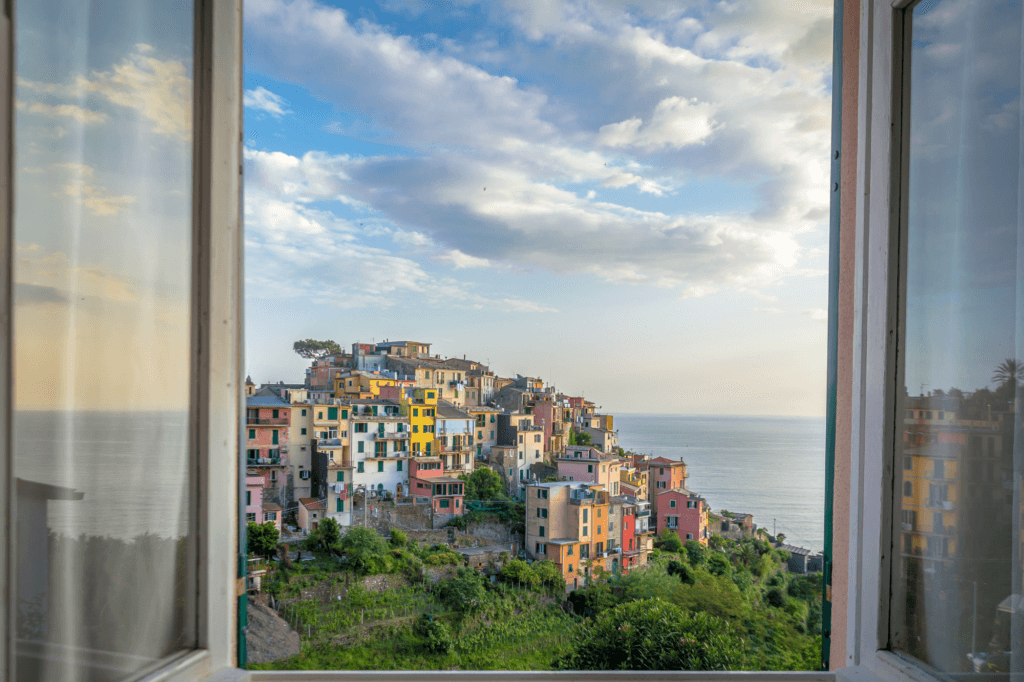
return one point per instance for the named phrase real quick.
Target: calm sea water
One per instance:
(771, 467)
(131, 468)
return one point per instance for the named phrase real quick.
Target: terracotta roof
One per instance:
(662, 460)
(271, 506)
(310, 503)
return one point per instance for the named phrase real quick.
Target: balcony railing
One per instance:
(257, 421)
(399, 435)
(262, 460)
(644, 513)
(329, 443)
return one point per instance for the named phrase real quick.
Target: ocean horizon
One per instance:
(771, 467)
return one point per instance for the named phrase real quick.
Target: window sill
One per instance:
(536, 676)
(886, 667)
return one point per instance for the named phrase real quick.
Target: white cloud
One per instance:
(72, 111)
(817, 314)
(676, 122)
(264, 100)
(461, 260)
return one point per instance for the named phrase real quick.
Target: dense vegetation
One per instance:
(691, 608)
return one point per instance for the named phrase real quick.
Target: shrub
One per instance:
(548, 574)
(669, 541)
(652, 634)
(399, 538)
(518, 571)
(695, 552)
(437, 637)
(262, 538)
(365, 551)
(464, 592)
(719, 565)
(682, 571)
(774, 597)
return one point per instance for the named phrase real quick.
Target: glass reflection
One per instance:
(102, 298)
(959, 471)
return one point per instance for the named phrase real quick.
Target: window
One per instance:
(303, 431)
(542, 513)
(252, 434)
(303, 413)
(568, 551)
(689, 536)
(250, 517)
(908, 463)
(536, 438)
(277, 414)
(344, 414)
(540, 548)
(339, 505)
(672, 503)
(399, 465)
(340, 476)
(380, 466)
(361, 427)
(359, 466)
(274, 437)
(585, 531)
(491, 437)
(540, 531)
(360, 446)
(590, 468)
(599, 532)
(690, 504)
(248, 498)
(585, 515)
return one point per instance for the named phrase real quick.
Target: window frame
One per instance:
(881, 165)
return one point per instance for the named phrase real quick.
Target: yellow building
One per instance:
(420, 406)
(361, 385)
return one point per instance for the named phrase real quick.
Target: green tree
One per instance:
(464, 592)
(781, 538)
(518, 571)
(330, 533)
(311, 349)
(548, 573)
(483, 484)
(1008, 373)
(775, 597)
(262, 538)
(582, 438)
(365, 551)
(653, 634)
(669, 541)
(436, 635)
(695, 552)
(718, 564)
(682, 571)
(399, 538)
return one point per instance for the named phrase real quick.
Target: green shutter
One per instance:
(399, 465)
(340, 505)
(344, 414)
(274, 441)
(303, 413)
(360, 468)
(374, 410)
(341, 476)
(380, 466)
(276, 414)
(252, 434)
(332, 412)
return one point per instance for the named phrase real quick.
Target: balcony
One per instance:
(399, 435)
(257, 421)
(256, 461)
(329, 443)
(646, 512)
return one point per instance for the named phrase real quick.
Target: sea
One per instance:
(132, 468)
(771, 467)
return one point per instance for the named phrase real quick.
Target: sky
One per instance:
(629, 200)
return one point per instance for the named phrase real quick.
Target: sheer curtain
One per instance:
(957, 559)
(103, 128)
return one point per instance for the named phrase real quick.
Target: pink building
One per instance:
(267, 425)
(685, 513)
(272, 513)
(589, 465)
(254, 499)
(664, 474)
(427, 479)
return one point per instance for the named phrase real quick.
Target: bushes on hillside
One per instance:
(652, 634)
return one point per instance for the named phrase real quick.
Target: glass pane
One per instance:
(103, 222)
(958, 519)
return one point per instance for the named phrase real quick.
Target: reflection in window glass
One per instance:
(959, 542)
(102, 345)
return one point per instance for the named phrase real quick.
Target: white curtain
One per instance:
(105, 568)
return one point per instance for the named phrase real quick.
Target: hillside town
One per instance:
(390, 421)
(411, 512)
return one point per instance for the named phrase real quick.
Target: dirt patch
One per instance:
(268, 637)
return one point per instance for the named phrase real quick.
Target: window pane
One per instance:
(104, 581)
(958, 538)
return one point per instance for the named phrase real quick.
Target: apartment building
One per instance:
(684, 513)
(427, 479)
(664, 474)
(267, 426)
(379, 446)
(485, 426)
(455, 429)
(587, 463)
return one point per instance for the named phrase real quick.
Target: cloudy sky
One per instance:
(627, 199)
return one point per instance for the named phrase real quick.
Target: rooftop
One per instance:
(271, 506)
(310, 503)
(445, 410)
(265, 401)
(563, 541)
(794, 550)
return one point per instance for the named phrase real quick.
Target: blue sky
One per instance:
(629, 199)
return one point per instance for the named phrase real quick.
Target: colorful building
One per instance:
(664, 474)
(419, 407)
(588, 464)
(685, 513)
(455, 438)
(427, 479)
(486, 426)
(268, 421)
(379, 446)
(311, 513)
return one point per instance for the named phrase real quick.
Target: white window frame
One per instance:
(881, 163)
(217, 401)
